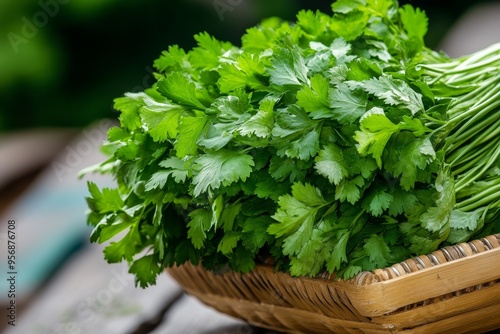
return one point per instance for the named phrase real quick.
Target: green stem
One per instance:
(487, 193)
(461, 147)
(491, 122)
(481, 202)
(473, 159)
(476, 172)
(476, 112)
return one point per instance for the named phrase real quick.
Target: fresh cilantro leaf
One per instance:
(463, 225)
(347, 6)
(220, 168)
(162, 121)
(282, 169)
(175, 59)
(242, 260)
(414, 21)
(297, 209)
(362, 165)
(126, 248)
(261, 37)
(340, 48)
(362, 69)
(189, 131)
(176, 167)
(347, 106)
(330, 163)
(379, 202)
(402, 201)
(339, 253)
(232, 77)
(208, 52)
(105, 201)
(379, 7)
(108, 227)
(350, 25)
(146, 269)
(320, 61)
(260, 125)
(200, 223)
(379, 50)
(376, 130)
(313, 23)
(254, 232)
(378, 251)
(412, 154)
(349, 190)
(288, 69)
(438, 217)
(295, 134)
(465, 220)
(310, 260)
(158, 180)
(179, 88)
(227, 113)
(315, 99)
(129, 106)
(248, 71)
(229, 242)
(293, 244)
(395, 92)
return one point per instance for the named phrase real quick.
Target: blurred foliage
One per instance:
(63, 61)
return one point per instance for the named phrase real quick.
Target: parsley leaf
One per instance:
(331, 164)
(162, 121)
(189, 131)
(415, 22)
(180, 89)
(314, 99)
(146, 270)
(347, 106)
(218, 168)
(395, 92)
(295, 134)
(288, 69)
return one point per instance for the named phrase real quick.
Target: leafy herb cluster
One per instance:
(338, 143)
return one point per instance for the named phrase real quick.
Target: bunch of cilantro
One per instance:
(337, 143)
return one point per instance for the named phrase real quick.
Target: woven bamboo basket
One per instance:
(453, 290)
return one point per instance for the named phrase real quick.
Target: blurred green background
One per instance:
(63, 61)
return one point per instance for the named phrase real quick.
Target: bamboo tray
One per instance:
(452, 290)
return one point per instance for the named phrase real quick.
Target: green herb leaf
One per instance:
(180, 89)
(288, 70)
(220, 168)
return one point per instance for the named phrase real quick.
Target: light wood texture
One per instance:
(91, 296)
(190, 316)
(24, 151)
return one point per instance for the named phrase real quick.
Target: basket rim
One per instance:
(444, 272)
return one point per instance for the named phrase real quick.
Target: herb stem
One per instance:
(487, 193)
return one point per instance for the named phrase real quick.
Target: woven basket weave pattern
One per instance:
(453, 290)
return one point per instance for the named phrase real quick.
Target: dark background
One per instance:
(91, 51)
